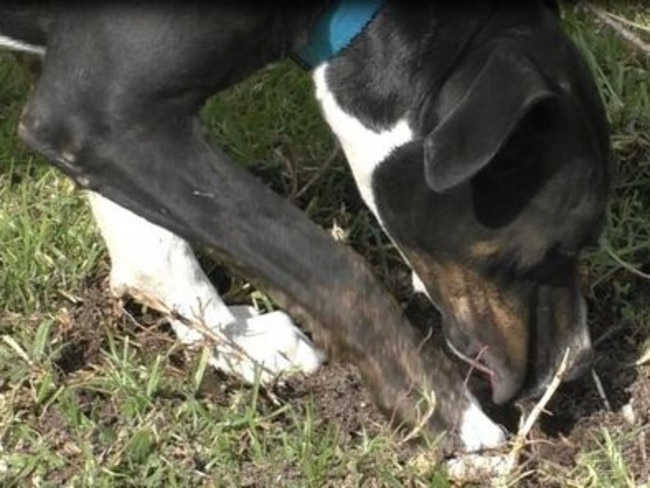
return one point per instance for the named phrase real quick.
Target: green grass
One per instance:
(91, 397)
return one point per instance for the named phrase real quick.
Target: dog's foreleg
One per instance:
(116, 108)
(159, 269)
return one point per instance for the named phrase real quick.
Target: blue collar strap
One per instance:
(336, 30)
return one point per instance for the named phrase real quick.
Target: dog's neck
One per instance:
(337, 27)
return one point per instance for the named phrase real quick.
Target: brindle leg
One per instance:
(116, 109)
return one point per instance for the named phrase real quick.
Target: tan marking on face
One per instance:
(479, 305)
(531, 244)
(484, 249)
(462, 309)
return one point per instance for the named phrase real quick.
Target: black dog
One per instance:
(473, 130)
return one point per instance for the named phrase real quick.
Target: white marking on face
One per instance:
(418, 285)
(365, 148)
(478, 431)
(14, 45)
(416, 282)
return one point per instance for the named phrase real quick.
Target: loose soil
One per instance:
(576, 415)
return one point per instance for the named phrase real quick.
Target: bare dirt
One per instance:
(576, 415)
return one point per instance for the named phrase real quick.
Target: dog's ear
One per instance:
(482, 112)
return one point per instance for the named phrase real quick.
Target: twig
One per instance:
(524, 430)
(141, 327)
(481, 468)
(608, 249)
(601, 390)
(328, 162)
(625, 21)
(75, 300)
(424, 341)
(476, 365)
(432, 404)
(645, 356)
(7, 339)
(473, 362)
(609, 333)
(609, 20)
(430, 399)
(642, 446)
(229, 349)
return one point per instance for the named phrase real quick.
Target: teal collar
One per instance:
(336, 30)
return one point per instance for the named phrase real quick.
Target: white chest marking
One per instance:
(9, 43)
(364, 148)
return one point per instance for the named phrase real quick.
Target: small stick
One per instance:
(230, 350)
(642, 446)
(10, 341)
(625, 21)
(524, 430)
(75, 300)
(624, 264)
(619, 28)
(481, 467)
(645, 357)
(328, 162)
(476, 469)
(609, 333)
(422, 422)
(601, 390)
(473, 362)
(430, 398)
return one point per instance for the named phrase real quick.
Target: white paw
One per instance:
(119, 283)
(478, 431)
(266, 346)
(159, 269)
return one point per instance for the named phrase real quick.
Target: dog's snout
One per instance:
(560, 330)
(520, 353)
(583, 357)
(578, 363)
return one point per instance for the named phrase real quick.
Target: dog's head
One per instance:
(501, 187)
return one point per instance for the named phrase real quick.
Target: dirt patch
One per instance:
(583, 409)
(576, 418)
(340, 397)
(337, 397)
